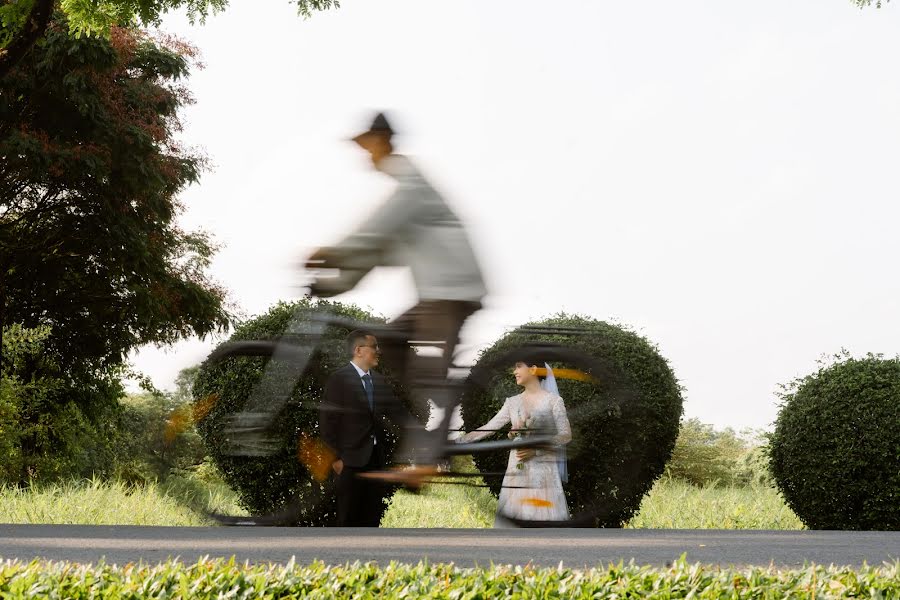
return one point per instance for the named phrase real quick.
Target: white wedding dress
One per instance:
(534, 491)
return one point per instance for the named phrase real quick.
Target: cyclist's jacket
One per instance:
(416, 228)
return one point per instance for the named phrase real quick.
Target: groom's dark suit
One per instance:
(355, 433)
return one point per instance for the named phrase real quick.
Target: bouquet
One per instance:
(527, 426)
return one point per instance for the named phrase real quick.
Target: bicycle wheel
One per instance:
(593, 390)
(258, 428)
(262, 403)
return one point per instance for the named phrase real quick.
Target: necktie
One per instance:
(370, 390)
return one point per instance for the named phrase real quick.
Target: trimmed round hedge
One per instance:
(835, 452)
(266, 484)
(623, 430)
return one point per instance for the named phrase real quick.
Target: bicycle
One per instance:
(289, 355)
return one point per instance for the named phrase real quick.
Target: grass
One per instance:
(447, 505)
(179, 501)
(218, 579)
(203, 495)
(674, 504)
(671, 504)
(186, 499)
(93, 502)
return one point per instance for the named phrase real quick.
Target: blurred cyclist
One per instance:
(413, 228)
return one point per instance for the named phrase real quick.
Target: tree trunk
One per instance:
(34, 27)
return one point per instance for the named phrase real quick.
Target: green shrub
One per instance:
(623, 430)
(234, 578)
(267, 484)
(835, 450)
(53, 423)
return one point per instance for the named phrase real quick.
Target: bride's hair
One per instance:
(530, 358)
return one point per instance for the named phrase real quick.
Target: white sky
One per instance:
(720, 176)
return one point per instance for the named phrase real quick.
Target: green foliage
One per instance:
(46, 431)
(9, 433)
(620, 442)
(220, 578)
(835, 450)
(93, 16)
(266, 484)
(100, 17)
(184, 385)
(90, 170)
(752, 468)
(12, 17)
(92, 502)
(156, 438)
(705, 456)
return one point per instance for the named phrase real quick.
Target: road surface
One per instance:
(465, 547)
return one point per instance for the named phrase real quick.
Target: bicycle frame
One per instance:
(292, 353)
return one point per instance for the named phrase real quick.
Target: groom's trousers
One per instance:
(360, 501)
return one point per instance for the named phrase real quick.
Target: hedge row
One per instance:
(220, 579)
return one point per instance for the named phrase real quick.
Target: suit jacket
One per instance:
(346, 423)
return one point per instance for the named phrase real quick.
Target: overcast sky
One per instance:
(720, 176)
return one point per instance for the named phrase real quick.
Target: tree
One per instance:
(184, 385)
(704, 455)
(25, 21)
(90, 171)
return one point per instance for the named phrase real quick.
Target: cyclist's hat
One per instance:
(379, 124)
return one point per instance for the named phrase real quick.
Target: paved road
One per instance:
(465, 547)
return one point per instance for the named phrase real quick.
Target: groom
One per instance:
(351, 419)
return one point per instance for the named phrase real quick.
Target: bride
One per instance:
(532, 487)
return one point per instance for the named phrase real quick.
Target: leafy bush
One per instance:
(52, 423)
(705, 456)
(222, 389)
(220, 578)
(45, 434)
(623, 430)
(836, 447)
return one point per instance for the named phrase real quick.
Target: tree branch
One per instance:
(35, 25)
